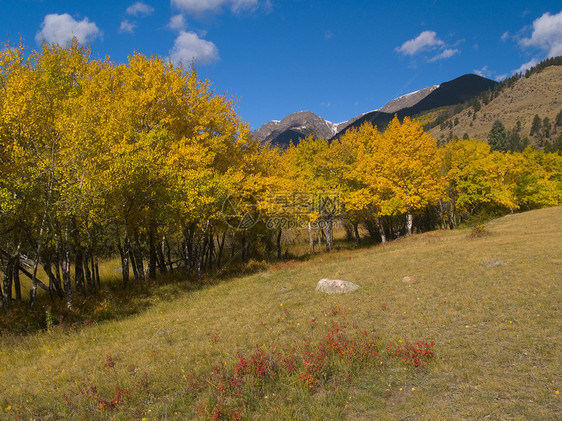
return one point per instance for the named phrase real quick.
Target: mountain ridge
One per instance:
(407, 100)
(538, 94)
(298, 124)
(301, 124)
(455, 91)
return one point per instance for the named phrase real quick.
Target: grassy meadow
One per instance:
(239, 348)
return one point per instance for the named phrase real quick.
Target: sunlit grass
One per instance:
(496, 327)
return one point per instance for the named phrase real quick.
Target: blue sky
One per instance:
(337, 59)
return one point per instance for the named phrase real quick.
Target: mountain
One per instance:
(303, 123)
(538, 94)
(294, 127)
(456, 91)
(408, 100)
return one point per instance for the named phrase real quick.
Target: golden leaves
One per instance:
(397, 171)
(138, 138)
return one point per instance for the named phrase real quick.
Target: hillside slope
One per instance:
(453, 92)
(490, 304)
(540, 94)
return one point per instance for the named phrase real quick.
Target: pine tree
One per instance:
(536, 126)
(547, 126)
(477, 106)
(486, 97)
(558, 120)
(515, 144)
(498, 137)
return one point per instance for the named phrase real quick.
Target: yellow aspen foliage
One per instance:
(539, 182)
(312, 169)
(139, 157)
(411, 168)
(478, 179)
(361, 183)
(392, 173)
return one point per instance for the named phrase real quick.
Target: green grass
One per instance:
(496, 327)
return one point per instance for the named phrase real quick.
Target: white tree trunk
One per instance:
(310, 237)
(381, 231)
(329, 234)
(409, 223)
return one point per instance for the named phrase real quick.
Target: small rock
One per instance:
(335, 286)
(408, 279)
(494, 262)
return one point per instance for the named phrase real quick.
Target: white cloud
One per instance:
(446, 53)
(189, 47)
(239, 6)
(127, 26)
(505, 36)
(61, 28)
(198, 6)
(484, 72)
(177, 23)
(526, 66)
(487, 73)
(424, 41)
(268, 6)
(427, 42)
(140, 8)
(547, 34)
(204, 6)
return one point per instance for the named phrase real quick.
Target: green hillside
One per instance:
(490, 300)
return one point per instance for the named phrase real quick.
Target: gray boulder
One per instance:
(335, 286)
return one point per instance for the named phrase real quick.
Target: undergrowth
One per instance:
(238, 385)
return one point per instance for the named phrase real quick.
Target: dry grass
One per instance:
(496, 327)
(539, 94)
